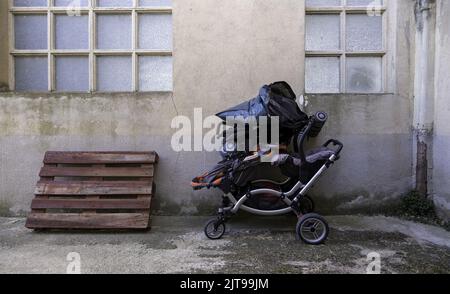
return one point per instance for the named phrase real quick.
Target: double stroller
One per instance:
(279, 185)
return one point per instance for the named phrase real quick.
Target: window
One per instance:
(91, 45)
(345, 46)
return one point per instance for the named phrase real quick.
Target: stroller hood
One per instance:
(277, 99)
(256, 107)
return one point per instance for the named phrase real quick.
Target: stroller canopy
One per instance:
(277, 99)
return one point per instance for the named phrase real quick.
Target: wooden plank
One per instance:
(88, 221)
(53, 157)
(95, 188)
(141, 203)
(114, 172)
(88, 200)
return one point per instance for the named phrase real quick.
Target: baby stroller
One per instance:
(244, 179)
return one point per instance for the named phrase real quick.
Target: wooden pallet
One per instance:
(94, 190)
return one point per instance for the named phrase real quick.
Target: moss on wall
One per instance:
(5, 208)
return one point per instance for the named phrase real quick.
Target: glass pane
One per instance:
(155, 31)
(364, 74)
(30, 3)
(364, 3)
(322, 3)
(364, 33)
(114, 73)
(114, 31)
(323, 32)
(30, 31)
(114, 3)
(72, 32)
(147, 3)
(322, 75)
(71, 3)
(155, 73)
(31, 73)
(72, 74)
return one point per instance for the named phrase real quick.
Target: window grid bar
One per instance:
(11, 35)
(385, 43)
(343, 60)
(91, 10)
(134, 46)
(96, 52)
(50, 47)
(91, 7)
(92, 41)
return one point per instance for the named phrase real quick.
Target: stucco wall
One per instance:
(3, 45)
(223, 52)
(441, 144)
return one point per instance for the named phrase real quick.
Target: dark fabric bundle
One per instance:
(277, 99)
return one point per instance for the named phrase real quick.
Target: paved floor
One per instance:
(251, 245)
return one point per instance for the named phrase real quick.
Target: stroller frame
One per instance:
(284, 196)
(311, 228)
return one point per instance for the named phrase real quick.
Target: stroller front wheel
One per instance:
(312, 229)
(215, 229)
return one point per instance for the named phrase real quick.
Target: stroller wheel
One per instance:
(215, 229)
(312, 229)
(307, 205)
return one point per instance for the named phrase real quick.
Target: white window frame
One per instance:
(388, 13)
(91, 10)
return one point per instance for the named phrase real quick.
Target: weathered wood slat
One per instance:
(141, 203)
(119, 172)
(88, 221)
(53, 157)
(95, 188)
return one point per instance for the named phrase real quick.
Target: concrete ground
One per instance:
(251, 245)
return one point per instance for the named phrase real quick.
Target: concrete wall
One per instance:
(223, 52)
(441, 144)
(3, 45)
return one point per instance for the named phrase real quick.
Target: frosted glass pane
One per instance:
(114, 31)
(30, 31)
(147, 3)
(71, 3)
(322, 75)
(364, 74)
(363, 3)
(364, 32)
(322, 32)
(72, 32)
(31, 74)
(155, 31)
(30, 3)
(72, 74)
(114, 73)
(322, 3)
(114, 3)
(155, 73)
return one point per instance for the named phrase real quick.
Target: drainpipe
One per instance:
(423, 102)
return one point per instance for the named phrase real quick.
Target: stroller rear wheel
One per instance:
(215, 229)
(312, 229)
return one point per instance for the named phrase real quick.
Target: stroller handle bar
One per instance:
(335, 143)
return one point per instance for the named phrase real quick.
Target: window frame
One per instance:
(387, 11)
(92, 10)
